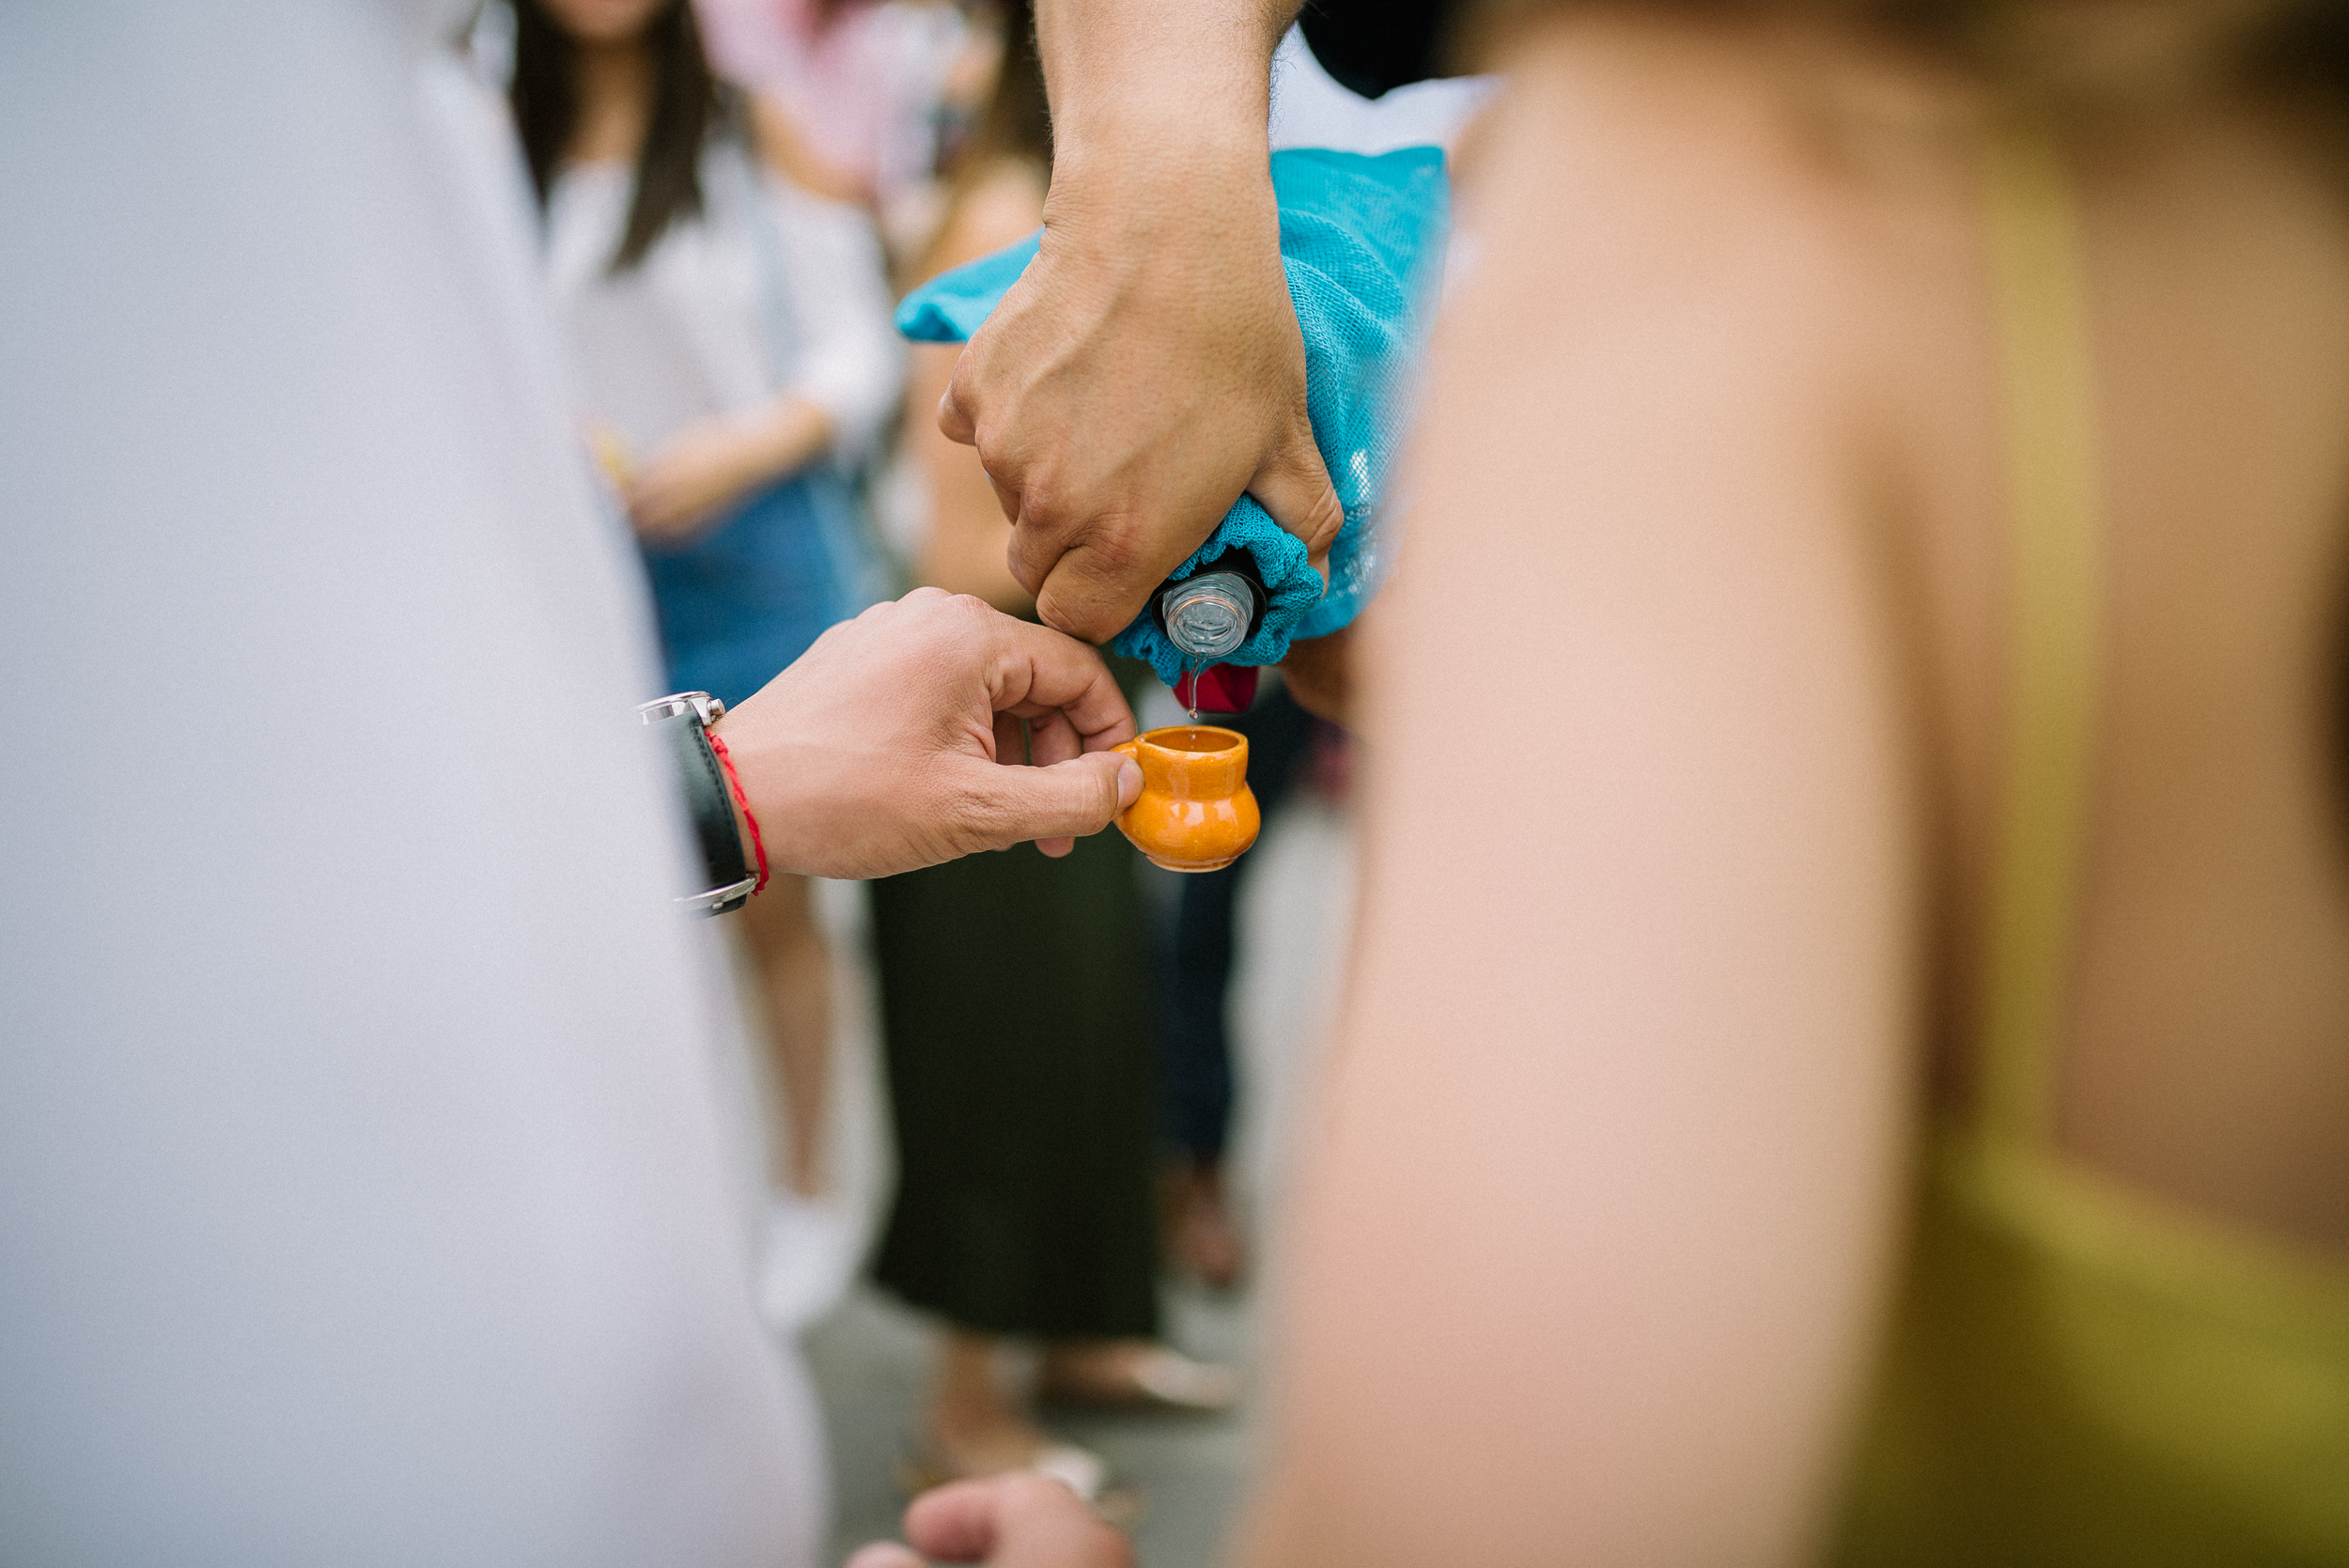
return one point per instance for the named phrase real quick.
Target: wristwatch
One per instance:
(684, 720)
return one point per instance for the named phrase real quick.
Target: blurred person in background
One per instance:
(1844, 1054)
(868, 94)
(730, 347)
(1199, 1209)
(370, 1193)
(1025, 1124)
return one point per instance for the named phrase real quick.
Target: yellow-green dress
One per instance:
(2079, 1373)
(1018, 1017)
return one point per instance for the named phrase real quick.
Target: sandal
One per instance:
(1158, 1380)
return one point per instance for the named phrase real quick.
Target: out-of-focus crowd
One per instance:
(731, 195)
(1840, 1056)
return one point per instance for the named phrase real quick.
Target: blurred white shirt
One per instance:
(1310, 109)
(365, 1192)
(767, 290)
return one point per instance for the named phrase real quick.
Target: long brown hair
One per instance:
(1015, 122)
(685, 106)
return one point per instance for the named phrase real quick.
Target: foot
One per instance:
(1135, 1374)
(1202, 1238)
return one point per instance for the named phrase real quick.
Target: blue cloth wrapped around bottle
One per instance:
(1362, 241)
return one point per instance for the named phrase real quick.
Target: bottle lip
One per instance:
(1207, 615)
(1240, 570)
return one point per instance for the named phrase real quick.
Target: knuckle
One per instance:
(999, 460)
(1074, 614)
(951, 628)
(962, 612)
(1102, 805)
(1024, 571)
(1328, 518)
(1044, 507)
(1113, 551)
(976, 816)
(972, 618)
(963, 385)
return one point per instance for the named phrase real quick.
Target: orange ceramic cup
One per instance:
(1195, 812)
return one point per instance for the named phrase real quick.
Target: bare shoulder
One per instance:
(1658, 390)
(1649, 168)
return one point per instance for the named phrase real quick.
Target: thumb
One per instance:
(1093, 589)
(1294, 486)
(1080, 797)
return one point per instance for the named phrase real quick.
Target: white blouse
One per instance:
(768, 291)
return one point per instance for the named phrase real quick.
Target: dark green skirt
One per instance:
(1017, 1007)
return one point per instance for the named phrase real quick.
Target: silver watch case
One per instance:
(706, 710)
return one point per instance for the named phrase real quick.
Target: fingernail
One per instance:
(1128, 783)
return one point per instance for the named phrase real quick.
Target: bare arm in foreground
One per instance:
(1596, 1211)
(1596, 1220)
(1155, 320)
(899, 741)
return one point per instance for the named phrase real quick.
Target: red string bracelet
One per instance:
(758, 846)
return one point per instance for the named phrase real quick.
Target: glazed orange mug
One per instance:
(1195, 812)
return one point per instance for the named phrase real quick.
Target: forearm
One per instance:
(1147, 370)
(789, 434)
(1191, 76)
(707, 468)
(878, 750)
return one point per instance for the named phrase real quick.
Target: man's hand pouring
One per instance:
(926, 729)
(1148, 367)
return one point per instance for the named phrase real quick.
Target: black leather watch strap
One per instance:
(679, 720)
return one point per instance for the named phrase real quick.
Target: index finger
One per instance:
(1036, 670)
(1083, 587)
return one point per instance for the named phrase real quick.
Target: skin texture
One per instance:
(1673, 966)
(675, 492)
(1155, 317)
(1677, 830)
(1652, 1199)
(895, 742)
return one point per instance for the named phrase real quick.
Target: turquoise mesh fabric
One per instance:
(1362, 241)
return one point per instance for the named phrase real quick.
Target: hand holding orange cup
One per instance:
(1195, 812)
